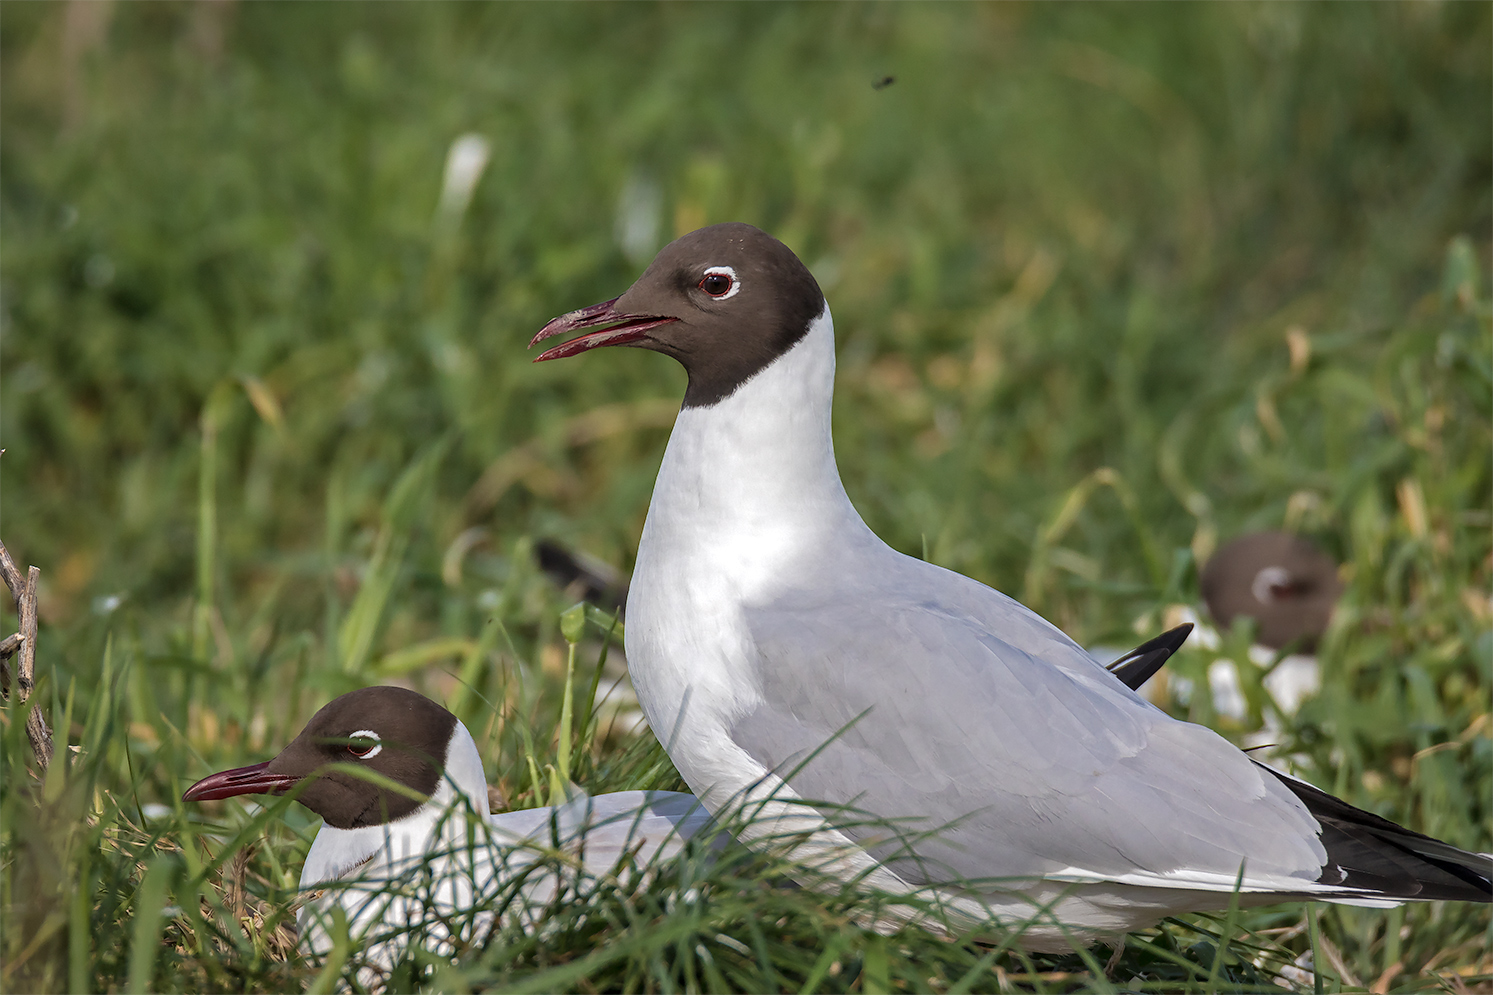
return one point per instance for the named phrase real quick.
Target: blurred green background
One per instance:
(1112, 283)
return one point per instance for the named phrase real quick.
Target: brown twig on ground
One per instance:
(24, 643)
(8, 648)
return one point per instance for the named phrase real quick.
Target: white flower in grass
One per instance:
(465, 161)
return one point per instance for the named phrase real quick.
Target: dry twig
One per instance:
(24, 643)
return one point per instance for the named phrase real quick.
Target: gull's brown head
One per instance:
(397, 733)
(725, 301)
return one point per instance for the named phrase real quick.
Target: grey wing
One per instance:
(595, 833)
(519, 824)
(651, 825)
(1016, 765)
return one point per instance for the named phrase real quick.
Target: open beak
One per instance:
(611, 328)
(255, 780)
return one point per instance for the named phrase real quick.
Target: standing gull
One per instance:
(792, 662)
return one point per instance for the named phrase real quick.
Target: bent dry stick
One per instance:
(23, 590)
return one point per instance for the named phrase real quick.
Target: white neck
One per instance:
(752, 479)
(337, 852)
(747, 495)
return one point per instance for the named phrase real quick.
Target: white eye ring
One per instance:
(366, 734)
(1266, 582)
(723, 271)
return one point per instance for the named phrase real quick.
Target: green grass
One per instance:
(1112, 284)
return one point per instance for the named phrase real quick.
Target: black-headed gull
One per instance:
(1283, 581)
(792, 662)
(413, 848)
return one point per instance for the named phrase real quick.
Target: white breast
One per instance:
(747, 486)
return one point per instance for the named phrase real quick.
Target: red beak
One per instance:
(254, 780)
(612, 328)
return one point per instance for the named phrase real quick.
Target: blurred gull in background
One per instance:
(1286, 583)
(1288, 586)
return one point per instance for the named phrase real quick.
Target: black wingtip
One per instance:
(1137, 666)
(1369, 853)
(594, 581)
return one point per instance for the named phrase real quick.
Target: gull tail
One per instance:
(1137, 666)
(1373, 855)
(1369, 857)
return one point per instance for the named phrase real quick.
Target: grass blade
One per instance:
(149, 911)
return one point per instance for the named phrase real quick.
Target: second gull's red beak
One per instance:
(254, 780)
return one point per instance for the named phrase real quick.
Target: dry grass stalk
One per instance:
(24, 643)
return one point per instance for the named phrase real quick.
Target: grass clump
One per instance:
(1112, 286)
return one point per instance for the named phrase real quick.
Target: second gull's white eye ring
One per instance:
(373, 750)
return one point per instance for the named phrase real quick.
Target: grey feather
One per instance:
(1017, 751)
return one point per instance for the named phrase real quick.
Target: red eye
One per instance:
(719, 282)
(360, 749)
